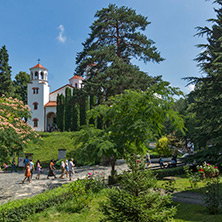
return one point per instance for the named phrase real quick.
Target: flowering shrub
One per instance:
(208, 170)
(95, 182)
(14, 130)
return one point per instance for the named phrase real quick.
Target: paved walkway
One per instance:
(11, 186)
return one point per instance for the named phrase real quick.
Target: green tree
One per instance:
(20, 86)
(137, 200)
(68, 109)
(14, 131)
(60, 112)
(82, 108)
(133, 118)
(75, 110)
(207, 102)
(106, 59)
(6, 85)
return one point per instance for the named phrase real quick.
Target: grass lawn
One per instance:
(89, 214)
(182, 184)
(47, 148)
(194, 213)
(185, 213)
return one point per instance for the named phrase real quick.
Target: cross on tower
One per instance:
(38, 60)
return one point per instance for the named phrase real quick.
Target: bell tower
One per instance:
(38, 96)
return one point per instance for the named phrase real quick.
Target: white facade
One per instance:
(41, 102)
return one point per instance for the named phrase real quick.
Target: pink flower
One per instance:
(90, 174)
(96, 172)
(208, 164)
(101, 174)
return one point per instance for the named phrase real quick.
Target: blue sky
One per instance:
(53, 31)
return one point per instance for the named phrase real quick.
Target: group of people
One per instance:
(67, 168)
(30, 168)
(173, 162)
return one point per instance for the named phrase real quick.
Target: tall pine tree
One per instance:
(115, 40)
(60, 112)
(68, 108)
(20, 86)
(207, 97)
(6, 85)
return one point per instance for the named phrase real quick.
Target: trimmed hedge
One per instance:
(160, 174)
(19, 210)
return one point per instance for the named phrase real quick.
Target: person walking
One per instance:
(5, 167)
(67, 168)
(32, 168)
(161, 162)
(13, 165)
(71, 168)
(148, 160)
(26, 160)
(27, 173)
(38, 167)
(51, 170)
(63, 170)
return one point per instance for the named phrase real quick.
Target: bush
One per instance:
(20, 209)
(169, 172)
(137, 198)
(162, 147)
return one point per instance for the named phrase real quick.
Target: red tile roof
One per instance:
(50, 104)
(38, 66)
(67, 85)
(77, 77)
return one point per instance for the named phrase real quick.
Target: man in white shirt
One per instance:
(71, 168)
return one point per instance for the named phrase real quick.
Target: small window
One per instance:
(42, 75)
(35, 105)
(31, 75)
(35, 90)
(76, 85)
(36, 75)
(35, 122)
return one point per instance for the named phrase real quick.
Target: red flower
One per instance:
(138, 161)
(201, 170)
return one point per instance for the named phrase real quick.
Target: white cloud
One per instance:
(61, 37)
(191, 87)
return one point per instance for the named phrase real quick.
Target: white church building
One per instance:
(43, 103)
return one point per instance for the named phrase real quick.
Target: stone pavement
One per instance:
(11, 186)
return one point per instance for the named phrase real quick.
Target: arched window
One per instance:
(35, 122)
(31, 75)
(35, 104)
(42, 75)
(36, 75)
(76, 85)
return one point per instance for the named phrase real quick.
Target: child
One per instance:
(27, 173)
(6, 167)
(161, 161)
(38, 167)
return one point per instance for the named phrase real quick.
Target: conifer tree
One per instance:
(60, 112)
(207, 96)
(107, 54)
(6, 85)
(67, 109)
(82, 108)
(75, 110)
(20, 86)
(137, 200)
